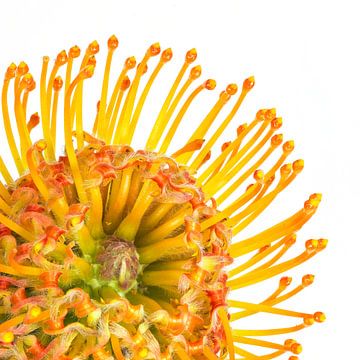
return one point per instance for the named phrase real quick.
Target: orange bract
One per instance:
(107, 252)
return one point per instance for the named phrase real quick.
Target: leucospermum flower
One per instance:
(107, 252)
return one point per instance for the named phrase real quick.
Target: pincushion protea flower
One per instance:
(113, 253)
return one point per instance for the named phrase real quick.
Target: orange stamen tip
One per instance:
(316, 196)
(311, 245)
(210, 84)
(296, 348)
(285, 170)
(7, 337)
(241, 128)
(277, 139)
(298, 165)
(260, 115)
(58, 83)
(293, 358)
(319, 317)
(10, 71)
(113, 42)
(88, 71)
(27, 82)
(154, 49)
(22, 68)
(293, 346)
(232, 89)
(270, 114)
(191, 56)
(40, 145)
(322, 244)
(276, 123)
(308, 279)
(61, 58)
(248, 83)
(309, 320)
(91, 60)
(74, 52)
(34, 120)
(259, 175)
(166, 55)
(224, 96)
(93, 48)
(285, 281)
(130, 63)
(288, 146)
(195, 72)
(125, 83)
(225, 145)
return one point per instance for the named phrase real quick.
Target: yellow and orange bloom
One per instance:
(107, 252)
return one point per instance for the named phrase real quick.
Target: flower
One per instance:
(113, 253)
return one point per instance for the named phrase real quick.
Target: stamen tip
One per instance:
(113, 42)
(191, 56)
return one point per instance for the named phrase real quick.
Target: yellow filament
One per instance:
(258, 257)
(209, 353)
(159, 124)
(126, 113)
(110, 132)
(68, 142)
(141, 101)
(5, 207)
(9, 270)
(8, 129)
(53, 117)
(263, 274)
(17, 228)
(115, 345)
(96, 213)
(115, 93)
(162, 277)
(181, 352)
(69, 66)
(117, 199)
(225, 175)
(5, 172)
(25, 270)
(243, 199)
(77, 100)
(4, 193)
(266, 309)
(102, 110)
(166, 228)
(170, 134)
(218, 161)
(236, 184)
(25, 141)
(265, 237)
(268, 332)
(128, 228)
(196, 163)
(258, 206)
(8, 324)
(38, 181)
(156, 215)
(45, 93)
(153, 252)
(223, 315)
(201, 131)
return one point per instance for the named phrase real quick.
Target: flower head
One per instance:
(107, 252)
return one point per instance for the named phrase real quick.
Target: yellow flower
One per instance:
(107, 252)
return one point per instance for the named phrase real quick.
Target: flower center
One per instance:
(118, 264)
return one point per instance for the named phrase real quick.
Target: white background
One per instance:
(305, 56)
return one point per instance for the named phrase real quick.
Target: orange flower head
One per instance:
(108, 252)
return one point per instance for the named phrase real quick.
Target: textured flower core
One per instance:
(107, 252)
